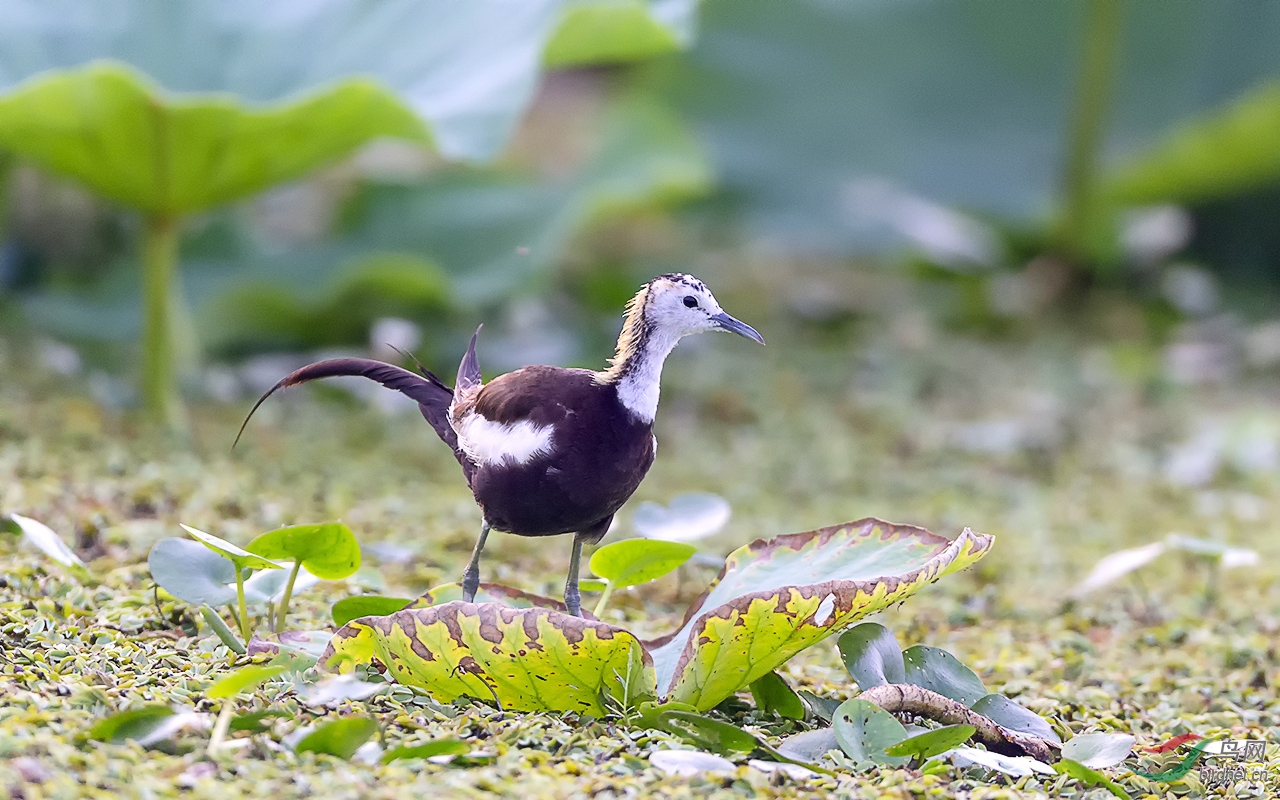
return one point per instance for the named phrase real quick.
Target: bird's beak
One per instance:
(728, 323)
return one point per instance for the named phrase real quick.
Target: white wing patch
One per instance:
(489, 442)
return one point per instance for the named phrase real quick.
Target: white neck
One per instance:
(638, 386)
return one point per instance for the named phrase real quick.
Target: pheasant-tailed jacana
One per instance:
(549, 450)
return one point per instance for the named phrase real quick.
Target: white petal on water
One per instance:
(1117, 565)
(690, 517)
(793, 771)
(48, 541)
(690, 762)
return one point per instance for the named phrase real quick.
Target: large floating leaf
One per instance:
(528, 659)
(490, 593)
(775, 598)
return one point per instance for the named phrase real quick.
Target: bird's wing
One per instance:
(515, 416)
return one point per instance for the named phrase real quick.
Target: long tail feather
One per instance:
(432, 394)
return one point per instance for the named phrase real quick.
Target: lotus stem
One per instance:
(159, 264)
(244, 609)
(604, 599)
(911, 699)
(284, 600)
(1093, 93)
(221, 727)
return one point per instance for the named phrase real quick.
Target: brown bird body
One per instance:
(549, 450)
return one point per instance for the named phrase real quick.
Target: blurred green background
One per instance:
(198, 194)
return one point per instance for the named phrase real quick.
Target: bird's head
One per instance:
(678, 305)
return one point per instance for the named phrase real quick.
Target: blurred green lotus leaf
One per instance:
(113, 130)
(773, 599)
(244, 679)
(136, 724)
(1227, 151)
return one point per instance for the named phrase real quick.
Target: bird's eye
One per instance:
(690, 301)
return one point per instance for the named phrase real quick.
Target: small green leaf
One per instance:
(339, 737)
(863, 731)
(1006, 713)
(872, 655)
(708, 734)
(192, 572)
(822, 707)
(242, 559)
(328, 550)
(1099, 750)
(1089, 777)
(592, 585)
(254, 722)
(939, 671)
(439, 747)
(774, 696)
(632, 562)
(366, 605)
(809, 746)
(135, 724)
(932, 743)
(244, 679)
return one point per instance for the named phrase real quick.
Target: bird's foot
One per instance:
(573, 602)
(470, 584)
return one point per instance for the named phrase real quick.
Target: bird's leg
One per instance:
(471, 576)
(572, 597)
